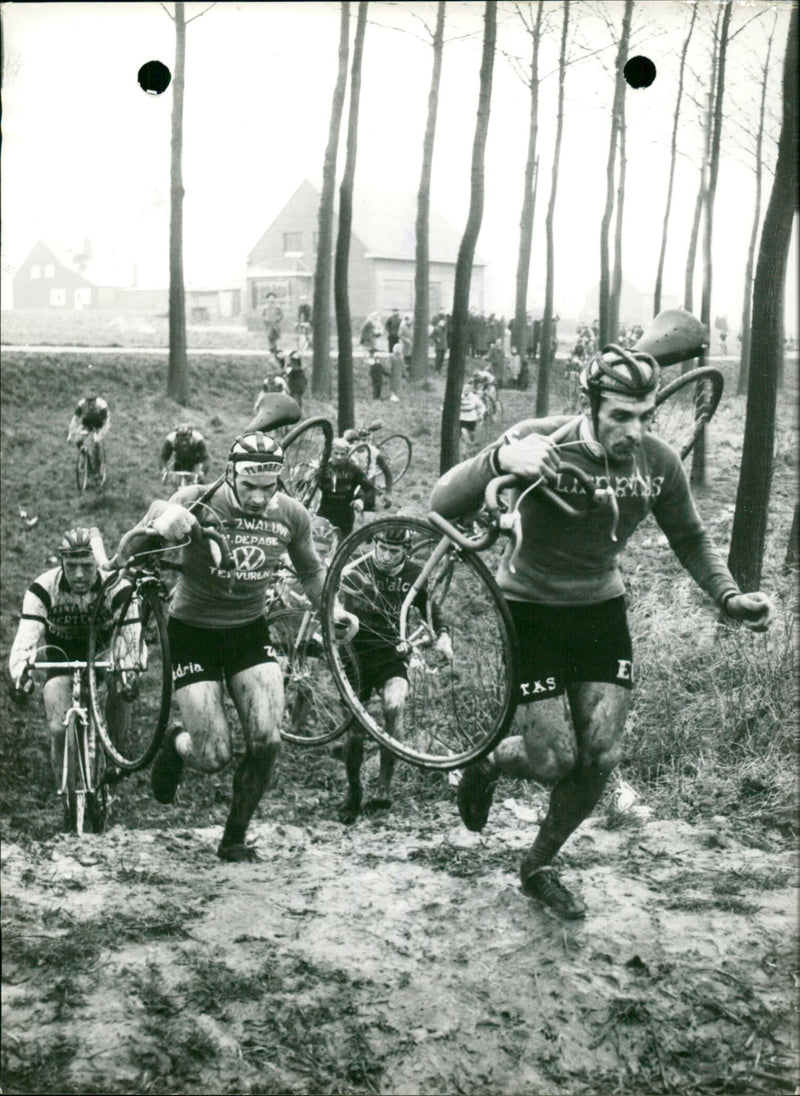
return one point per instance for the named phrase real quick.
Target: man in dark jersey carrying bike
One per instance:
(374, 591)
(566, 596)
(217, 630)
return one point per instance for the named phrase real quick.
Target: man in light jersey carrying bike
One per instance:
(374, 591)
(566, 596)
(56, 613)
(217, 629)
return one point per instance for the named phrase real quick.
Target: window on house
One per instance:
(83, 296)
(49, 270)
(36, 271)
(292, 241)
(58, 297)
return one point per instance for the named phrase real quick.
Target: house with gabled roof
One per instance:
(382, 255)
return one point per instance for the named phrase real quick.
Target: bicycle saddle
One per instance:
(277, 409)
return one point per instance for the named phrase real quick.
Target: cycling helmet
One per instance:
(392, 538)
(76, 542)
(622, 372)
(253, 453)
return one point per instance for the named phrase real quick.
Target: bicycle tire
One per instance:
(314, 712)
(685, 406)
(397, 449)
(100, 465)
(81, 469)
(455, 711)
(306, 449)
(139, 679)
(75, 786)
(490, 405)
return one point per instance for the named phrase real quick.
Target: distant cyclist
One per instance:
(218, 635)
(567, 597)
(186, 448)
(373, 590)
(377, 462)
(56, 612)
(345, 489)
(89, 424)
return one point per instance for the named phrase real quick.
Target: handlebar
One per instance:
(125, 554)
(503, 521)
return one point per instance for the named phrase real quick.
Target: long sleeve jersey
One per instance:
(54, 616)
(574, 561)
(209, 596)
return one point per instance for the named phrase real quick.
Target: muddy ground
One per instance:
(399, 956)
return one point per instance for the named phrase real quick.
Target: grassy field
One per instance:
(713, 723)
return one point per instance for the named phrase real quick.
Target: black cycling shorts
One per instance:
(565, 645)
(377, 663)
(216, 654)
(469, 426)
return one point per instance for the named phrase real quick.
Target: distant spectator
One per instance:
(272, 316)
(439, 337)
(406, 334)
(304, 311)
(296, 378)
(376, 374)
(497, 360)
(471, 414)
(392, 326)
(370, 333)
(513, 368)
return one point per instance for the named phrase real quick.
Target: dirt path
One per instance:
(397, 956)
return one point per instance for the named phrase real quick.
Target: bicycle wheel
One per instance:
(455, 710)
(130, 678)
(100, 464)
(306, 449)
(685, 405)
(397, 450)
(82, 469)
(314, 711)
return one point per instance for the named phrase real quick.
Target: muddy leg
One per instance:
(353, 760)
(393, 699)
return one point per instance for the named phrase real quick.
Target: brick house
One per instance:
(381, 270)
(47, 279)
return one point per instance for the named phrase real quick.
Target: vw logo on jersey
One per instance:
(248, 557)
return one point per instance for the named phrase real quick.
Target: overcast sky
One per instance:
(86, 152)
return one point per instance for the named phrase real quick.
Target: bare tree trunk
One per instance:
(520, 339)
(449, 452)
(606, 334)
(616, 278)
(422, 292)
(673, 155)
(698, 474)
(546, 353)
(744, 362)
(177, 369)
(344, 332)
(699, 205)
(755, 476)
(321, 313)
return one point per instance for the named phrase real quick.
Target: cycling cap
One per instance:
(350, 435)
(76, 542)
(625, 372)
(394, 536)
(183, 428)
(255, 452)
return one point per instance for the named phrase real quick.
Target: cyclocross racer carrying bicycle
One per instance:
(566, 596)
(345, 488)
(374, 591)
(186, 448)
(56, 613)
(377, 463)
(217, 629)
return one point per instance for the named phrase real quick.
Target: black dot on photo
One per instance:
(639, 72)
(154, 77)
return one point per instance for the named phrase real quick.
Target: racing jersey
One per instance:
(209, 596)
(92, 415)
(376, 598)
(340, 482)
(188, 451)
(472, 407)
(573, 561)
(53, 615)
